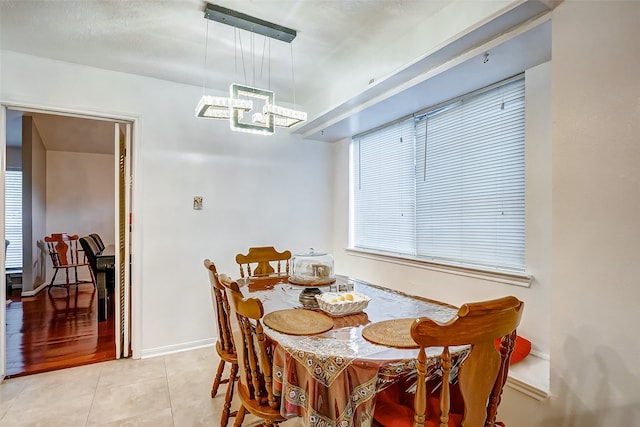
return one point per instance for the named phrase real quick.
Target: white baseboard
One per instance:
(35, 291)
(176, 348)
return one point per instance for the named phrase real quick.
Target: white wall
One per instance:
(257, 190)
(34, 170)
(80, 197)
(596, 206)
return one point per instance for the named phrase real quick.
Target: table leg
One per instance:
(102, 295)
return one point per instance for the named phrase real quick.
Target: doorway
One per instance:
(86, 189)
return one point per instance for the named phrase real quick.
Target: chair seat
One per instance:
(394, 406)
(227, 356)
(394, 414)
(261, 411)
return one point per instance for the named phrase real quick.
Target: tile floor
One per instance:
(172, 390)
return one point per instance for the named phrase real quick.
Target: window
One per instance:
(13, 218)
(446, 185)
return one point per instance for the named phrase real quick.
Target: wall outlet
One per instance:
(197, 203)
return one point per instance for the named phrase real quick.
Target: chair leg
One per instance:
(240, 417)
(226, 410)
(218, 379)
(93, 277)
(55, 272)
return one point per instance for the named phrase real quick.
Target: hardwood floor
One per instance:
(58, 330)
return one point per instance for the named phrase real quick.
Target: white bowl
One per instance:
(339, 304)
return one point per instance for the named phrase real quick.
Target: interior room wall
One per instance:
(596, 203)
(34, 169)
(596, 206)
(257, 190)
(80, 197)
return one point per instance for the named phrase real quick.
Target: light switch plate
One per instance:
(197, 203)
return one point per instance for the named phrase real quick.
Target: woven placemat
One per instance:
(298, 321)
(392, 333)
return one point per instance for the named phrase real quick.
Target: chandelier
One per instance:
(242, 107)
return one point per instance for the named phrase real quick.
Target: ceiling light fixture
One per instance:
(243, 98)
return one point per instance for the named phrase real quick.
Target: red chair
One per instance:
(65, 255)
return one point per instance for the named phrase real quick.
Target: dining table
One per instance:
(331, 378)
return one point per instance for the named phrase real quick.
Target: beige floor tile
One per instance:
(129, 371)
(10, 390)
(57, 392)
(202, 360)
(162, 418)
(64, 412)
(121, 402)
(166, 391)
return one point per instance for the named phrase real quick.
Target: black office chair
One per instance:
(92, 251)
(96, 238)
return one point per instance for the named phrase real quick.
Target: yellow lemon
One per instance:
(349, 297)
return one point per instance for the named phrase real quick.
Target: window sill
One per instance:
(523, 280)
(530, 376)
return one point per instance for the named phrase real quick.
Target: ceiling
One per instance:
(64, 133)
(167, 39)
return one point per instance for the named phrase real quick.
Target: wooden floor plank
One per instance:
(58, 330)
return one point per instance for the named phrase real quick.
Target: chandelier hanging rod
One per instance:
(249, 23)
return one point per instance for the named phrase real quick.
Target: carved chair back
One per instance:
(483, 373)
(258, 261)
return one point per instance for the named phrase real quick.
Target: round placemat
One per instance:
(298, 321)
(392, 333)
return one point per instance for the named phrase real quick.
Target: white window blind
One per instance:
(384, 189)
(468, 181)
(13, 218)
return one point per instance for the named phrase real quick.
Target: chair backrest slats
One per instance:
(222, 308)
(91, 251)
(63, 249)
(98, 240)
(254, 356)
(257, 262)
(483, 372)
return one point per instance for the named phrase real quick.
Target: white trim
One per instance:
(531, 376)
(136, 267)
(3, 296)
(177, 348)
(523, 280)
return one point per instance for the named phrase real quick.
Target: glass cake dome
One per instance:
(312, 269)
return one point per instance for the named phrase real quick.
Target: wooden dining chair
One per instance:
(255, 387)
(65, 255)
(224, 346)
(473, 401)
(257, 262)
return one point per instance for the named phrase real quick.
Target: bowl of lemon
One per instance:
(342, 303)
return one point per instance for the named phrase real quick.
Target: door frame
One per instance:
(131, 196)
